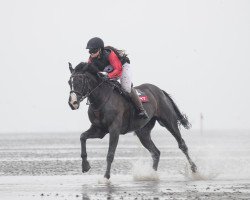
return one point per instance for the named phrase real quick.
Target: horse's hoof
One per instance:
(104, 181)
(193, 168)
(107, 176)
(85, 166)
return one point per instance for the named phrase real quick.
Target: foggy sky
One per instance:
(197, 51)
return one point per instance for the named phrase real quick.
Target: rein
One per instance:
(89, 92)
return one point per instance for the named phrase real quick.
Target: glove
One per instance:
(104, 75)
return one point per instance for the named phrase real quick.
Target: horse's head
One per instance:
(83, 78)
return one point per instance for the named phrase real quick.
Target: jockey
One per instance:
(106, 58)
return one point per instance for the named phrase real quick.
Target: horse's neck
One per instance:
(100, 94)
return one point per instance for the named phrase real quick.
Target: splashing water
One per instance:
(143, 171)
(203, 173)
(103, 181)
(209, 162)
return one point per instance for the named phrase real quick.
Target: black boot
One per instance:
(137, 102)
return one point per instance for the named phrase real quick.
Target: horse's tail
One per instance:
(182, 118)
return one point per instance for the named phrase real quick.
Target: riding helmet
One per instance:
(95, 43)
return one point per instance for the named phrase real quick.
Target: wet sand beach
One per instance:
(48, 166)
(120, 187)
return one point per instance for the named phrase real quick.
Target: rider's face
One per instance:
(94, 54)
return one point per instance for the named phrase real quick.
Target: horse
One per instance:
(109, 112)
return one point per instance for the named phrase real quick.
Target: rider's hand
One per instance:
(104, 75)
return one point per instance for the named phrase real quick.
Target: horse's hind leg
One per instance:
(145, 138)
(174, 130)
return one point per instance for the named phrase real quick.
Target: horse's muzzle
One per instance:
(73, 102)
(74, 106)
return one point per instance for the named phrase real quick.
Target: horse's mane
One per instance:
(84, 67)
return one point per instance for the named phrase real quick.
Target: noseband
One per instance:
(86, 84)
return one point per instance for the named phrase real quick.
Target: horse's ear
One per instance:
(71, 68)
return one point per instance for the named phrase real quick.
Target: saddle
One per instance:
(117, 87)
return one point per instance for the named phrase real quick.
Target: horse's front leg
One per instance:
(113, 141)
(92, 132)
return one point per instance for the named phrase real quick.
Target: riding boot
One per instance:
(137, 102)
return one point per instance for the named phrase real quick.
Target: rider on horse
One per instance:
(114, 64)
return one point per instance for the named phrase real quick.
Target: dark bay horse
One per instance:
(109, 112)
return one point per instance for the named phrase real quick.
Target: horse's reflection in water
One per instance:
(103, 191)
(125, 190)
(85, 196)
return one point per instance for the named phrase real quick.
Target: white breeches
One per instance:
(126, 78)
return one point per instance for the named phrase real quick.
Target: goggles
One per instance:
(93, 51)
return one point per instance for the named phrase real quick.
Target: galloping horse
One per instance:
(109, 112)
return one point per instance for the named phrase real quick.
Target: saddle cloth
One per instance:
(143, 97)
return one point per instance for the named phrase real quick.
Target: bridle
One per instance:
(86, 84)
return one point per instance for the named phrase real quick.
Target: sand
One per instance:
(48, 166)
(119, 187)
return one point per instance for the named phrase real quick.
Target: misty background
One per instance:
(197, 51)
